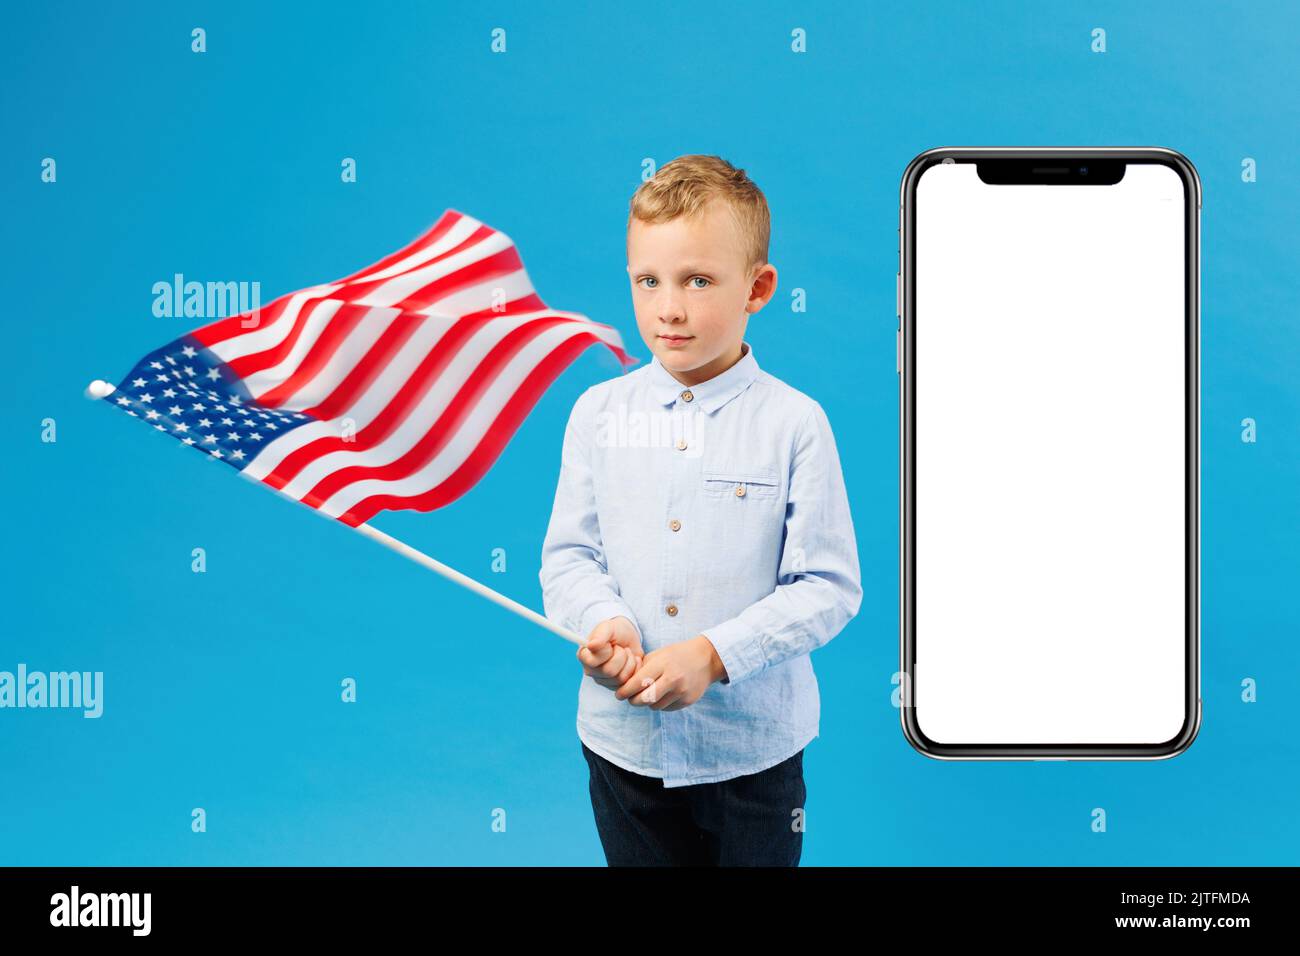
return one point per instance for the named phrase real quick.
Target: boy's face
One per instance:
(693, 292)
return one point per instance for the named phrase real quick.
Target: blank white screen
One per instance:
(1050, 495)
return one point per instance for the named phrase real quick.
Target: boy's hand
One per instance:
(612, 652)
(675, 676)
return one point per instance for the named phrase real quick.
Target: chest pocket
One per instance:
(740, 483)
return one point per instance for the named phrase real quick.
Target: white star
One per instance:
(271, 425)
(236, 454)
(163, 378)
(233, 436)
(255, 436)
(139, 383)
(187, 441)
(146, 397)
(151, 415)
(189, 371)
(213, 374)
(188, 352)
(227, 421)
(155, 364)
(216, 453)
(220, 408)
(170, 360)
(160, 428)
(124, 401)
(198, 406)
(209, 439)
(174, 410)
(169, 393)
(182, 427)
(204, 423)
(132, 414)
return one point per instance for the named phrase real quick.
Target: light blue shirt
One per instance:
(718, 509)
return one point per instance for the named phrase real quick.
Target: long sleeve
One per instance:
(819, 587)
(577, 589)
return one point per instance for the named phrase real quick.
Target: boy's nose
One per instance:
(671, 309)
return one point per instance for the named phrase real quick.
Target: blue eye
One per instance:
(701, 279)
(649, 279)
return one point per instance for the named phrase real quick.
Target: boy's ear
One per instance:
(762, 287)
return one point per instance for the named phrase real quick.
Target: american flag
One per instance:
(395, 388)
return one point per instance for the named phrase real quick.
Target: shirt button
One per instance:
(681, 444)
(687, 396)
(740, 491)
(672, 610)
(675, 525)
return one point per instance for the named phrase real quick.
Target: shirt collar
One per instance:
(710, 395)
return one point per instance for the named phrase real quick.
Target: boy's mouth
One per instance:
(675, 339)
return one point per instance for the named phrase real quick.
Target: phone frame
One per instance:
(906, 309)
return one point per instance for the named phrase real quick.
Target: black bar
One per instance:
(1066, 171)
(611, 907)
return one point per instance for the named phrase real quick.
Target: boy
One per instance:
(701, 540)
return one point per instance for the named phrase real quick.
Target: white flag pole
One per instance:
(420, 558)
(100, 389)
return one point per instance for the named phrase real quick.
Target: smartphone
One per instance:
(1049, 376)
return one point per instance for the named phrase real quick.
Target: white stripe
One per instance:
(503, 290)
(454, 236)
(483, 296)
(402, 287)
(372, 326)
(472, 430)
(259, 383)
(378, 394)
(269, 336)
(382, 389)
(430, 407)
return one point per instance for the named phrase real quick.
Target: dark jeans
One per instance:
(744, 821)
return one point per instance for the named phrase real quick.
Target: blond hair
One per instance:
(684, 186)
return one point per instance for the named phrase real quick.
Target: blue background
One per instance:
(222, 689)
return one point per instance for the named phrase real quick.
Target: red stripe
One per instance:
(440, 432)
(367, 370)
(246, 365)
(374, 361)
(501, 263)
(489, 449)
(435, 232)
(336, 330)
(355, 291)
(233, 327)
(394, 413)
(373, 364)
